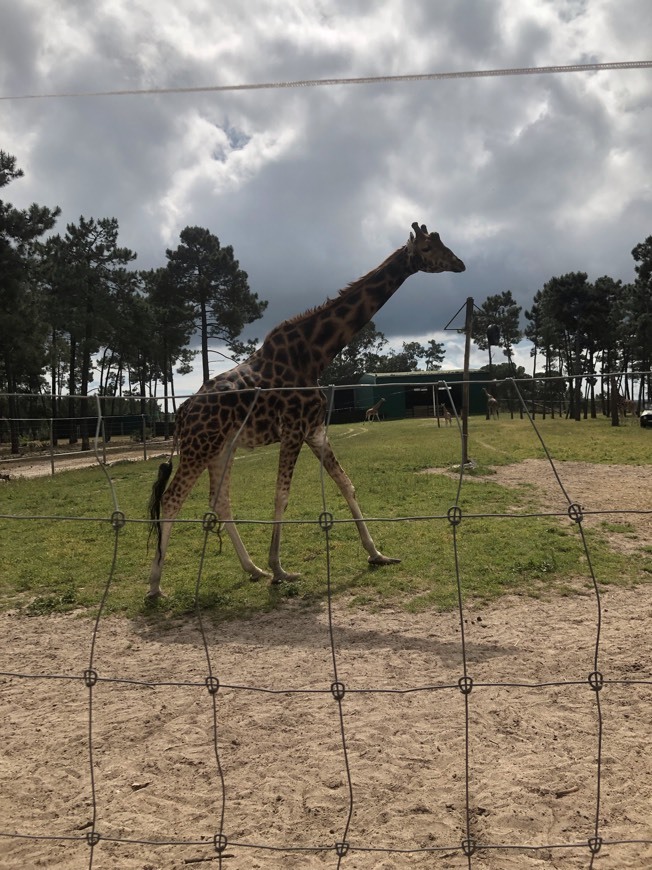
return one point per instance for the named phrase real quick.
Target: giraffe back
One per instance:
(262, 407)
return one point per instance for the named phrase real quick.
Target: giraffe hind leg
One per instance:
(220, 477)
(167, 506)
(291, 445)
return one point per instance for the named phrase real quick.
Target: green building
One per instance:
(409, 394)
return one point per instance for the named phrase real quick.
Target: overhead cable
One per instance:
(331, 82)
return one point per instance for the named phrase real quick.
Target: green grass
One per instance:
(58, 565)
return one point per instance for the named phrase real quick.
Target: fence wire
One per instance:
(470, 846)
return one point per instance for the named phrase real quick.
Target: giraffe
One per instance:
(492, 404)
(625, 406)
(372, 413)
(273, 397)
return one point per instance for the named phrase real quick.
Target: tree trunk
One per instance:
(12, 407)
(54, 388)
(578, 380)
(534, 383)
(72, 434)
(86, 372)
(204, 342)
(174, 399)
(614, 404)
(166, 406)
(86, 364)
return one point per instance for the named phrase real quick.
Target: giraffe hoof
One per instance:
(258, 574)
(382, 560)
(154, 596)
(283, 576)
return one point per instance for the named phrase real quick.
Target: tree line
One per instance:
(584, 333)
(74, 311)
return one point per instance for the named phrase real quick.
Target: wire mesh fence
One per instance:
(330, 831)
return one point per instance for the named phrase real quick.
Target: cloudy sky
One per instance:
(525, 177)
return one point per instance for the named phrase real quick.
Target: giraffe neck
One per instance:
(325, 330)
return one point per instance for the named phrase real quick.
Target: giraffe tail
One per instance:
(164, 472)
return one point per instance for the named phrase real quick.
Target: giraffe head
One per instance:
(429, 254)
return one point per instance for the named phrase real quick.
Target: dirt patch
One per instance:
(533, 749)
(622, 492)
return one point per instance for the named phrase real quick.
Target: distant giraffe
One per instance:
(273, 397)
(625, 406)
(492, 404)
(372, 413)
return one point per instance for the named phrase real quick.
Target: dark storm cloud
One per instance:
(523, 177)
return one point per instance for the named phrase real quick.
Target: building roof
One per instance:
(440, 374)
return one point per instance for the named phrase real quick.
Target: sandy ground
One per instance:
(533, 752)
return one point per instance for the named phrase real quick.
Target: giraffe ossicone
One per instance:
(275, 397)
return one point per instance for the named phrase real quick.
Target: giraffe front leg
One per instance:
(248, 565)
(321, 447)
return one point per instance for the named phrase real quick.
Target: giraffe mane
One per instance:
(310, 312)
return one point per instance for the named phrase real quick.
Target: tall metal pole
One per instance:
(468, 328)
(491, 375)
